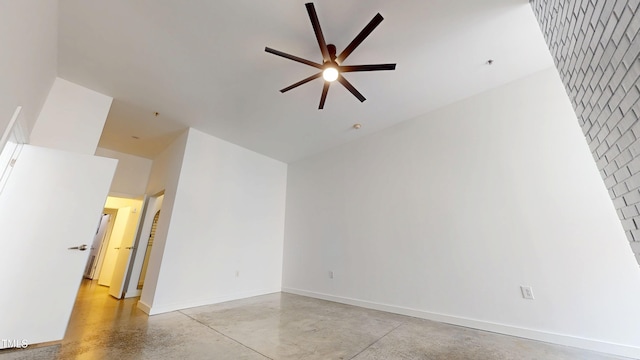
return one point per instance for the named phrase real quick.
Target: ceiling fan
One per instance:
(331, 68)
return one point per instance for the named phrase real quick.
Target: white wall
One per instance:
(227, 227)
(446, 215)
(132, 173)
(71, 119)
(165, 173)
(29, 43)
(165, 168)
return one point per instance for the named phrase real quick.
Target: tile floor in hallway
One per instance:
(276, 326)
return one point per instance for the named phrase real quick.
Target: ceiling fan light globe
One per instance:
(330, 74)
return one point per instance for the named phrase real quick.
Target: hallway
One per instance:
(275, 326)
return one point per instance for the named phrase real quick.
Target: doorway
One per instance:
(113, 246)
(122, 246)
(139, 265)
(146, 214)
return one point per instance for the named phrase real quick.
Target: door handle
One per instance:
(129, 248)
(117, 248)
(82, 247)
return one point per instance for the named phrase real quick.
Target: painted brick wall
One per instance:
(596, 44)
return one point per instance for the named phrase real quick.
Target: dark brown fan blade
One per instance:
(312, 77)
(360, 37)
(325, 90)
(318, 31)
(376, 67)
(350, 87)
(292, 57)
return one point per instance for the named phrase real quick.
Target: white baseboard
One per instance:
(144, 307)
(560, 339)
(132, 294)
(164, 308)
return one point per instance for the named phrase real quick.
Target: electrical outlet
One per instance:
(527, 292)
(330, 274)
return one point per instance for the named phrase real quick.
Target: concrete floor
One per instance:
(276, 326)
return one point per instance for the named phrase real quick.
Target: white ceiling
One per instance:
(201, 63)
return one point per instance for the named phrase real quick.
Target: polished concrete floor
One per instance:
(276, 326)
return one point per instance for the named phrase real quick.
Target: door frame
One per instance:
(15, 131)
(142, 237)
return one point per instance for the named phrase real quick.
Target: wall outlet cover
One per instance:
(527, 292)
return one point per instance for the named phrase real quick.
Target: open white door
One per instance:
(127, 250)
(96, 245)
(50, 203)
(113, 246)
(119, 271)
